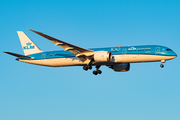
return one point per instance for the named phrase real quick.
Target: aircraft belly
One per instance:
(56, 62)
(68, 62)
(74, 61)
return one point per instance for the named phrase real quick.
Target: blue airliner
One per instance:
(117, 58)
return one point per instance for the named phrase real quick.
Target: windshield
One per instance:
(168, 49)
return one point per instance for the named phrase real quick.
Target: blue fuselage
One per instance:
(126, 50)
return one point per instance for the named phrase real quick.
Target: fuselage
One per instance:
(126, 54)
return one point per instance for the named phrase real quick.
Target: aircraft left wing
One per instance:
(82, 53)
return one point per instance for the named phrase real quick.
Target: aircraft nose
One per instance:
(175, 55)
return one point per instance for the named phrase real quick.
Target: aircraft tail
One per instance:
(28, 45)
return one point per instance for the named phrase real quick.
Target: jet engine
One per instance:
(121, 67)
(102, 56)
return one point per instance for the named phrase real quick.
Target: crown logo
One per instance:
(28, 43)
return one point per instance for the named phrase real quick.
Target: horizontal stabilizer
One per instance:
(17, 55)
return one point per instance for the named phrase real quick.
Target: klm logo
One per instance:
(28, 46)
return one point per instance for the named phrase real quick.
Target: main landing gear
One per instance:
(86, 67)
(95, 72)
(162, 61)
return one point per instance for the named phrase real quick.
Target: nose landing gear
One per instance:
(162, 61)
(161, 65)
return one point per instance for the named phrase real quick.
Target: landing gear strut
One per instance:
(162, 61)
(97, 71)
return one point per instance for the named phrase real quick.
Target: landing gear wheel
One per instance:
(89, 67)
(85, 68)
(95, 72)
(99, 71)
(161, 65)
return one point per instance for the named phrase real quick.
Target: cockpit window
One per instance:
(168, 49)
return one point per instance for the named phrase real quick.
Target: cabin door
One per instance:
(157, 50)
(124, 51)
(43, 56)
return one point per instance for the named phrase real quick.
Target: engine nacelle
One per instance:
(102, 56)
(121, 67)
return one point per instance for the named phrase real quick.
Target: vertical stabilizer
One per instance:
(28, 45)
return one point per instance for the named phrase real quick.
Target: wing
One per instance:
(82, 53)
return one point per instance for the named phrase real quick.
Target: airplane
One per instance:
(117, 58)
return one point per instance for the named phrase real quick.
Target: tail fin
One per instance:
(28, 46)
